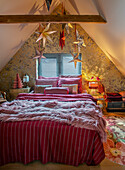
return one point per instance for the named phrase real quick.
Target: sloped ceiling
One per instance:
(110, 37)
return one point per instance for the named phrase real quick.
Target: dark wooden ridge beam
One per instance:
(8, 19)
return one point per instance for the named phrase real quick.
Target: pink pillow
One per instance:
(73, 88)
(41, 77)
(52, 82)
(40, 88)
(56, 90)
(71, 81)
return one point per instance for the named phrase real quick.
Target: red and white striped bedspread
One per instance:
(59, 97)
(49, 141)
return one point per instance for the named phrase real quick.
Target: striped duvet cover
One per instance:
(49, 141)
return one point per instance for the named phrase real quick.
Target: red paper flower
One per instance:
(97, 78)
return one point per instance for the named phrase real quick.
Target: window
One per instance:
(58, 64)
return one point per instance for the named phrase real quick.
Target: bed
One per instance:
(60, 128)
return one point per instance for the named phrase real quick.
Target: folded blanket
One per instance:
(83, 114)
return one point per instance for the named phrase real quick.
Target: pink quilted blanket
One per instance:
(83, 114)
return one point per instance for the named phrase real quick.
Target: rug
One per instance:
(115, 145)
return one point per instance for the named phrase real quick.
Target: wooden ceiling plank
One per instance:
(9, 19)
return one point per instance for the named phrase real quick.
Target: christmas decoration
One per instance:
(44, 34)
(39, 54)
(48, 3)
(95, 78)
(65, 25)
(75, 59)
(17, 82)
(62, 40)
(79, 41)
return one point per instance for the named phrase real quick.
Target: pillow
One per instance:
(71, 81)
(40, 88)
(71, 76)
(80, 84)
(52, 82)
(122, 93)
(73, 88)
(41, 77)
(56, 90)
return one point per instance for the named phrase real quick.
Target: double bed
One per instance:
(60, 128)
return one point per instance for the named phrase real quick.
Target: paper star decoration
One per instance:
(39, 54)
(79, 41)
(62, 40)
(75, 59)
(44, 34)
(48, 3)
(67, 26)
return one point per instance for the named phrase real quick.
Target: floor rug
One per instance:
(115, 145)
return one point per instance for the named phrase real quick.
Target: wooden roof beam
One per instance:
(9, 19)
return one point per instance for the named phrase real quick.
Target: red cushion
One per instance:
(56, 90)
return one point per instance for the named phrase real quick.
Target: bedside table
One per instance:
(14, 92)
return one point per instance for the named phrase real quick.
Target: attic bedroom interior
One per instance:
(62, 84)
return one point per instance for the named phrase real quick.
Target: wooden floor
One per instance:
(37, 165)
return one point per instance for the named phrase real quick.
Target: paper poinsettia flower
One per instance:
(39, 54)
(97, 78)
(75, 59)
(62, 40)
(79, 41)
(44, 34)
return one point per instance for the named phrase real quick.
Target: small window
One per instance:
(58, 64)
(49, 67)
(69, 68)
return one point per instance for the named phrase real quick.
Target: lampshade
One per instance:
(93, 85)
(26, 78)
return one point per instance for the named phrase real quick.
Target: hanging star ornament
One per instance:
(39, 54)
(66, 25)
(48, 3)
(62, 40)
(79, 41)
(75, 59)
(44, 34)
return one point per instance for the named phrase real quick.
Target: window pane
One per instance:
(49, 67)
(69, 68)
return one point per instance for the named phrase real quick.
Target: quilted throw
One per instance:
(83, 114)
(115, 145)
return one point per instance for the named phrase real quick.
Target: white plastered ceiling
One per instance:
(110, 37)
